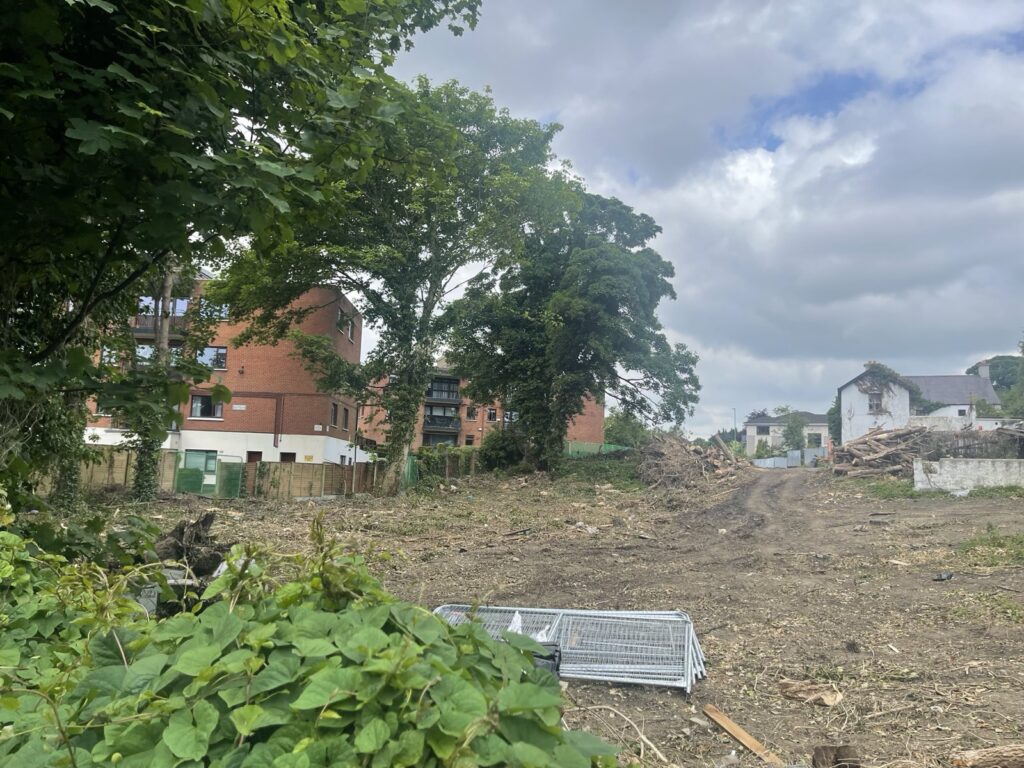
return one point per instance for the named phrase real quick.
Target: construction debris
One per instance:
(880, 452)
(638, 647)
(727, 724)
(671, 462)
(810, 692)
(191, 544)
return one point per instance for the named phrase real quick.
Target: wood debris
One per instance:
(668, 461)
(810, 692)
(727, 724)
(1008, 756)
(881, 452)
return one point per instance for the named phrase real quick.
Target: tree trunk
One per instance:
(1008, 756)
(392, 483)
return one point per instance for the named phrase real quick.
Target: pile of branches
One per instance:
(668, 461)
(881, 453)
(191, 543)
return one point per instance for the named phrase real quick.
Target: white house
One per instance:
(870, 401)
(770, 428)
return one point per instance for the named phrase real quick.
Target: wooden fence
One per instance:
(110, 468)
(274, 480)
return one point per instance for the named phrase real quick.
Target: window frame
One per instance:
(763, 430)
(492, 415)
(334, 415)
(217, 409)
(213, 364)
(344, 419)
(873, 409)
(472, 412)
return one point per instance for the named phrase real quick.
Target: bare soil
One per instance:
(789, 575)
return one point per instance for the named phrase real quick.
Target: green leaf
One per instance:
(143, 671)
(364, 643)
(589, 744)
(195, 660)
(188, 732)
(249, 718)
(372, 736)
(327, 687)
(528, 756)
(524, 697)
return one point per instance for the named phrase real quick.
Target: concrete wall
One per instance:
(966, 474)
(857, 421)
(942, 423)
(307, 448)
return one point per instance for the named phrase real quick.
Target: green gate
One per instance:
(207, 473)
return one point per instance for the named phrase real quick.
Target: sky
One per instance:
(836, 182)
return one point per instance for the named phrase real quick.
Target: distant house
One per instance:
(946, 403)
(770, 429)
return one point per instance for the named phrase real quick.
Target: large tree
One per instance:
(398, 240)
(131, 130)
(573, 315)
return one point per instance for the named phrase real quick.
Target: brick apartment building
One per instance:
(448, 418)
(276, 412)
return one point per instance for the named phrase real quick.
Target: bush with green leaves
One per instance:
(325, 669)
(502, 449)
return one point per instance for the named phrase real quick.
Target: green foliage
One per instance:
(620, 470)
(759, 413)
(625, 428)
(1004, 370)
(763, 451)
(994, 549)
(394, 238)
(885, 379)
(434, 461)
(502, 449)
(835, 421)
(572, 316)
(134, 132)
(324, 670)
(793, 432)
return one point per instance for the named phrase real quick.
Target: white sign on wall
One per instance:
(238, 406)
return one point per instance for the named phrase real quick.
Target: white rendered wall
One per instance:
(853, 406)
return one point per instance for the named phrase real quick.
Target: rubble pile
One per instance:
(668, 461)
(881, 452)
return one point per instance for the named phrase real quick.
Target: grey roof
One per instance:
(962, 389)
(816, 419)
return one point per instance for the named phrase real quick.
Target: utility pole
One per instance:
(735, 434)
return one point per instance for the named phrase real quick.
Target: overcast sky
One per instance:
(837, 181)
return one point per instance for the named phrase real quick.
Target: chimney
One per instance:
(983, 369)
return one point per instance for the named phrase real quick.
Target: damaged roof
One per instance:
(962, 389)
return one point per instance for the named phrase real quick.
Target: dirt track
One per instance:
(792, 576)
(785, 579)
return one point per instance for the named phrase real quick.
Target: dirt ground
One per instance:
(789, 575)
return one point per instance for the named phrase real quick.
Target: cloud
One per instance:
(836, 182)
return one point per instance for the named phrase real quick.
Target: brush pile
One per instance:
(881, 453)
(668, 461)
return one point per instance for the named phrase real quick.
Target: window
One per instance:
(203, 460)
(469, 439)
(444, 389)
(215, 357)
(440, 410)
(764, 429)
(287, 458)
(344, 419)
(471, 412)
(510, 416)
(432, 439)
(203, 407)
(179, 307)
(144, 353)
(814, 440)
(874, 402)
(961, 412)
(349, 328)
(109, 356)
(334, 414)
(492, 414)
(147, 305)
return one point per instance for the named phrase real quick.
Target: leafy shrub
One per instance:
(501, 449)
(324, 670)
(431, 463)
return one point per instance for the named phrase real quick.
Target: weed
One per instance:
(998, 492)
(618, 470)
(994, 548)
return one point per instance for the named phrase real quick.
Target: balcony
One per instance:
(443, 396)
(442, 424)
(145, 325)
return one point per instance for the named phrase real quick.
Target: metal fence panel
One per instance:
(793, 458)
(640, 647)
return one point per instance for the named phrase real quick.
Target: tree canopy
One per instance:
(573, 315)
(131, 130)
(397, 239)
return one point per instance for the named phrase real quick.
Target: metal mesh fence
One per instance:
(641, 647)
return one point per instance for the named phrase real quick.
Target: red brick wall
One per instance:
(278, 393)
(588, 427)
